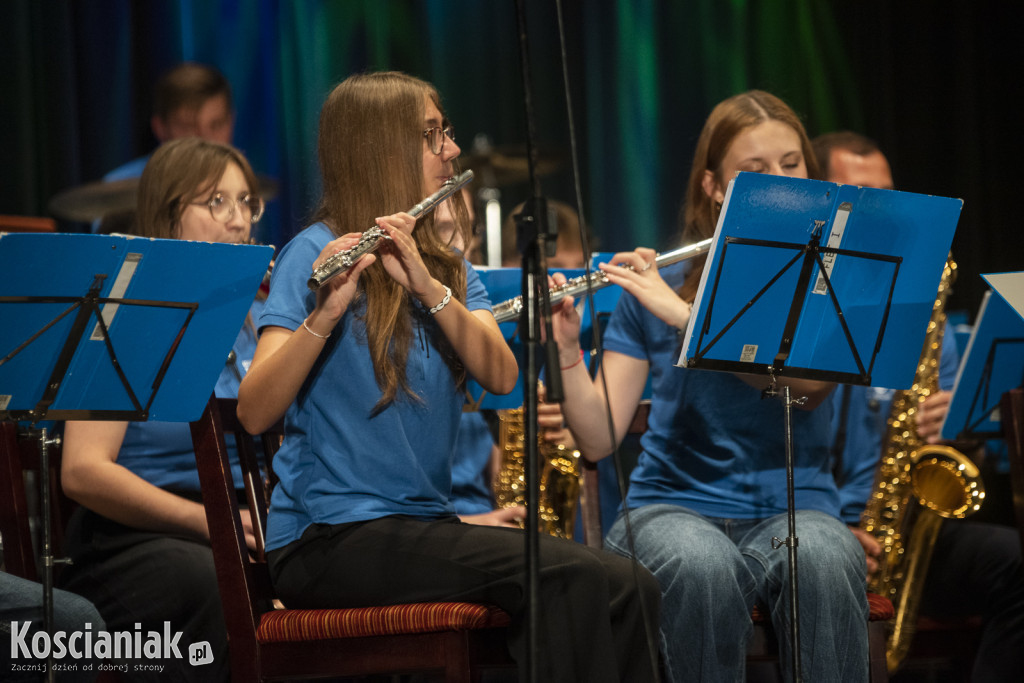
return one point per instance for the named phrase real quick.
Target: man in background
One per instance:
(190, 100)
(976, 568)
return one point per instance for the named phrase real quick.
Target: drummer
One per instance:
(190, 100)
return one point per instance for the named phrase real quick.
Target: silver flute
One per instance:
(598, 279)
(372, 238)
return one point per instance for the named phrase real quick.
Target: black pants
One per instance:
(976, 569)
(592, 627)
(140, 577)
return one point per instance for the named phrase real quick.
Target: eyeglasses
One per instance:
(436, 136)
(222, 208)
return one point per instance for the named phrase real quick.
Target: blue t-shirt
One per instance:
(132, 169)
(340, 462)
(473, 445)
(713, 444)
(161, 452)
(867, 418)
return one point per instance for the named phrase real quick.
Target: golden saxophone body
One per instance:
(559, 476)
(916, 487)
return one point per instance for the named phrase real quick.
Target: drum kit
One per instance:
(113, 203)
(505, 165)
(497, 167)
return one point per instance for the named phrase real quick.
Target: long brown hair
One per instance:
(728, 120)
(179, 172)
(371, 162)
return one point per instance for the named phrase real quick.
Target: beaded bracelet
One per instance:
(444, 301)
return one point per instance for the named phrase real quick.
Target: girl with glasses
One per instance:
(139, 542)
(368, 373)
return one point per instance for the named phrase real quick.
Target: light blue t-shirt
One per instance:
(161, 452)
(340, 461)
(713, 444)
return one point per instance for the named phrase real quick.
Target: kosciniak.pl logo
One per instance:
(90, 644)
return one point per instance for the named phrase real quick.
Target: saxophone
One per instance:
(917, 486)
(559, 476)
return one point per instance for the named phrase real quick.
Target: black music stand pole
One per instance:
(533, 232)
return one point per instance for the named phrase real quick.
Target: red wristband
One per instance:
(572, 365)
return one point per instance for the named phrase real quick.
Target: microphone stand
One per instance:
(533, 238)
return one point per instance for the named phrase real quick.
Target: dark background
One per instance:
(936, 84)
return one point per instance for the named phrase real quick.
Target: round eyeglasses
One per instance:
(436, 136)
(222, 207)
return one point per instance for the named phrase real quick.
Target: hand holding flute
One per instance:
(334, 297)
(612, 274)
(371, 239)
(637, 273)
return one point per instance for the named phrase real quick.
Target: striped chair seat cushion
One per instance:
(879, 609)
(314, 624)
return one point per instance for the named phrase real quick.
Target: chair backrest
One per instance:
(1012, 415)
(240, 573)
(19, 557)
(27, 224)
(20, 503)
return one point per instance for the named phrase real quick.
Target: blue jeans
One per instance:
(21, 601)
(713, 571)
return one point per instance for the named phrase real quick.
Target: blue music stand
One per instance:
(993, 362)
(815, 280)
(102, 327)
(820, 281)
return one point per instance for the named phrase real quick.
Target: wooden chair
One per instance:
(19, 455)
(19, 461)
(763, 645)
(19, 555)
(1012, 415)
(27, 224)
(455, 639)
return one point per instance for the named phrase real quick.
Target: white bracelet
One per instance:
(318, 336)
(444, 301)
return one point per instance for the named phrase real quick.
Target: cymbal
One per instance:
(93, 201)
(86, 203)
(508, 165)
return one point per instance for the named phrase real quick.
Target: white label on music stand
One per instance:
(4, 400)
(124, 276)
(834, 240)
(749, 353)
